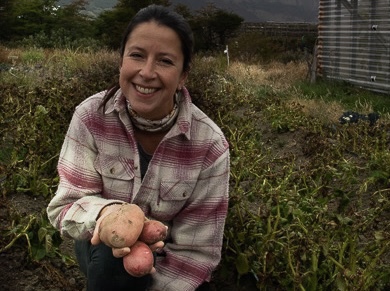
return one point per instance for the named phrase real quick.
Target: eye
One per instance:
(135, 55)
(166, 62)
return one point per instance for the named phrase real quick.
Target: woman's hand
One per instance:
(122, 214)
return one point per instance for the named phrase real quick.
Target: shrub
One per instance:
(309, 203)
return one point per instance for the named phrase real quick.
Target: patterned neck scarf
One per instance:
(155, 125)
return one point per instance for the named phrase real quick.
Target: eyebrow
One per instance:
(135, 47)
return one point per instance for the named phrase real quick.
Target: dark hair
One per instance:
(161, 15)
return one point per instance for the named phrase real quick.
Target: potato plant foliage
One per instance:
(309, 196)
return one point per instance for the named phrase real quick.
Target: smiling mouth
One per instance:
(144, 90)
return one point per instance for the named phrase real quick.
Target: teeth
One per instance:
(145, 90)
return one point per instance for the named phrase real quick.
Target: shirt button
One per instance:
(184, 194)
(112, 170)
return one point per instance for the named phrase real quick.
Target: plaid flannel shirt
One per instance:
(185, 186)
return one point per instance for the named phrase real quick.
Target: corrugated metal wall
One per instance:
(354, 42)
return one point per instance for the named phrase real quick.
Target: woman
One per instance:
(143, 142)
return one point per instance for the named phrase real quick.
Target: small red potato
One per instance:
(152, 232)
(139, 262)
(122, 228)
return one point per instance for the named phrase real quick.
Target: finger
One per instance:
(156, 246)
(119, 253)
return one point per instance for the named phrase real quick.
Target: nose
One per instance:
(148, 69)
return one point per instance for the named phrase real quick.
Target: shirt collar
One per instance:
(183, 122)
(116, 103)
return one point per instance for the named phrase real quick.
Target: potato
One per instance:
(152, 232)
(122, 228)
(139, 261)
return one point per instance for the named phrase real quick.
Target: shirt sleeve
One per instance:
(77, 203)
(196, 233)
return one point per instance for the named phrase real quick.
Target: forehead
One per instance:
(149, 31)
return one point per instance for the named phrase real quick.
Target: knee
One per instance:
(102, 261)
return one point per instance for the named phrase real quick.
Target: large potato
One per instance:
(139, 261)
(122, 228)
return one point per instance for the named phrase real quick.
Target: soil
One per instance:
(19, 273)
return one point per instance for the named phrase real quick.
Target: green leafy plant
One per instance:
(40, 238)
(309, 197)
(303, 217)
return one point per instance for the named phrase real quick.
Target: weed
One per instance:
(41, 238)
(309, 197)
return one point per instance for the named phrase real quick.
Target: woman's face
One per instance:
(152, 69)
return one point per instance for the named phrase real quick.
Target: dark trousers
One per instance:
(104, 272)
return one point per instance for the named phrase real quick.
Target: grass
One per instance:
(309, 198)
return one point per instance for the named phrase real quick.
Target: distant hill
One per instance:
(264, 10)
(250, 10)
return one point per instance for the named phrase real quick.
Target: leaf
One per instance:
(38, 253)
(241, 236)
(344, 220)
(340, 283)
(42, 234)
(41, 110)
(379, 235)
(242, 264)
(43, 189)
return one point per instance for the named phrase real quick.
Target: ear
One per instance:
(183, 79)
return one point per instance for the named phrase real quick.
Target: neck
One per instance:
(161, 125)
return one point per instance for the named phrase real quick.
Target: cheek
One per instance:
(121, 79)
(124, 77)
(125, 70)
(175, 80)
(122, 72)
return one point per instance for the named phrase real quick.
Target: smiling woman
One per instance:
(152, 70)
(143, 142)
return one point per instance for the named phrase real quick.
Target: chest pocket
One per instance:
(173, 196)
(117, 175)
